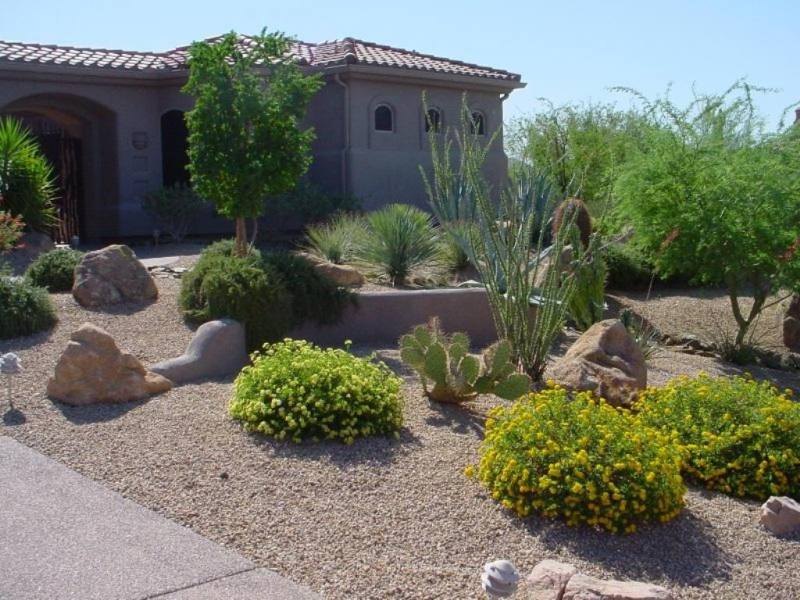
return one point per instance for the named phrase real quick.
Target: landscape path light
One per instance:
(10, 366)
(499, 579)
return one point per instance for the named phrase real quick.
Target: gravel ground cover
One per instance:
(378, 519)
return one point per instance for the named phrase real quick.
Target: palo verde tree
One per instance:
(714, 197)
(245, 136)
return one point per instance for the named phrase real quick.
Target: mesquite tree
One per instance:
(246, 141)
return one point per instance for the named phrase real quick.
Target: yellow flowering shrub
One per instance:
(579, 459)
(741, 437)
(295, 391)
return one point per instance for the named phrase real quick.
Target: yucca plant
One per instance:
(27, 187)
(399, 240)
(336, 240)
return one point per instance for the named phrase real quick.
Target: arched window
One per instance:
(384, 119)
(433, 120)
(174, 148)
(477, 125)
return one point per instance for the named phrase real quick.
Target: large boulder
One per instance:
(605, 360)
(110, 276)
(93, 370)
(791, 325)
(583, 587)
(548, 580)
(218, 349)
(781, 515)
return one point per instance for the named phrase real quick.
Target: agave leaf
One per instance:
(513, 386)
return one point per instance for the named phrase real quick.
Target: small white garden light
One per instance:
(499, 579)
(10, 366)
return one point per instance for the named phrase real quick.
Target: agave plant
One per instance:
(334, 241)
(399, 240)
(27, 187)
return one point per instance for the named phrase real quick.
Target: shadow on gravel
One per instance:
(14, 416)
(460, 418)
(682, 551)
(96, 413)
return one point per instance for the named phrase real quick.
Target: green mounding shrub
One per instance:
(242, 288)
(334, 241)
(587, 304)
(740, 437)
(628, 269)
(399, 240)
(456, 375)
(27, 184)
(55, 270)
(312, 204)
(24, 308)
(296, 391)
(582, 460)
(314, 297)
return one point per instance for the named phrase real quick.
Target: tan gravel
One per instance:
(379, 519)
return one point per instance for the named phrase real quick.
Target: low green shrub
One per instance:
(628, 269)
(579, 459)
(456, 375)
(311, 204)
(335, 240)
(587, 303)
(741, 437)
(55, 270)
(296, 391)
(24, 308)
(10, 230)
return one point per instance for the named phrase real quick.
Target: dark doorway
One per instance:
(174, 148)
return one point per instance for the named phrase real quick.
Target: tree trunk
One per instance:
(240, 248)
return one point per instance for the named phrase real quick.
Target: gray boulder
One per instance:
(217, 349)
(781, 515)
(110, 276)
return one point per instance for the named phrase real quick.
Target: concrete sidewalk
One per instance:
(65, 537)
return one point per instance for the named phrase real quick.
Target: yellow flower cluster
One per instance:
(295, 391)
(739, 436)
(581, 460)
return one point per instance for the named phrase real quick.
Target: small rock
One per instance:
(548, 580)
(583, 587)
(218, 349)
(604, 360)
(110, 276)
(93, 370)
(344, 275)
(500, 578)
(780, 514)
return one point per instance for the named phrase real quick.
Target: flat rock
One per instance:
(548, 580)
(781, 515)
(93, 370)
(218, 349)
(344, 275)
(605, 360)
(583, 587)
(110, 276)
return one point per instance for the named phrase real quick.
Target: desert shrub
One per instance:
(628, 269)
(580, 459)
(24, 308)
(314, 296)
(295, 391)
(456, 375)
(10, 230)
(242, 288)
(55, 270)
(587, 303)
(399, 240)
(312, 204)
(643, 333)
(741, 437)
(173, 209)
(27, 184)
(335, 240)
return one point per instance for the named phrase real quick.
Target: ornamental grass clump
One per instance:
(741, 437)
(297, 391)
(581, 460)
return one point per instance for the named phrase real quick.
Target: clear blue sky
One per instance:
(565, 50)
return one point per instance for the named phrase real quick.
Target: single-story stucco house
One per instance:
(112, 123)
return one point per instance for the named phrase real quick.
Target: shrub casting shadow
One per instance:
(460, 418)
(14, 416)
(681, 551)
(95, 413)
(26, 342)
(124, 309)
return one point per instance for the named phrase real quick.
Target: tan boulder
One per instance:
(343, 275)
(93, 370)
(781, 515)
(583, 587)
(605, 360)
(110, 276)
(548, 580)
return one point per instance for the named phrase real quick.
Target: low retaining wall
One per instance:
(382, 317)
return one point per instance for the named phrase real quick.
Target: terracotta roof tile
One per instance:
(332, 53)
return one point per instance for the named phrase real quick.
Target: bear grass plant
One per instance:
(297, 391)
(55, 270)
(740, 436)
(582, 460)
(24, 308)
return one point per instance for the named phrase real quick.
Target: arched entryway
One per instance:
(174, 148)
(78, 136)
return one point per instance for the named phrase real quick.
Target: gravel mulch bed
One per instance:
(378, 519)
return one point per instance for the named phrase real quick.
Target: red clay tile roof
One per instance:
(337, 52)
